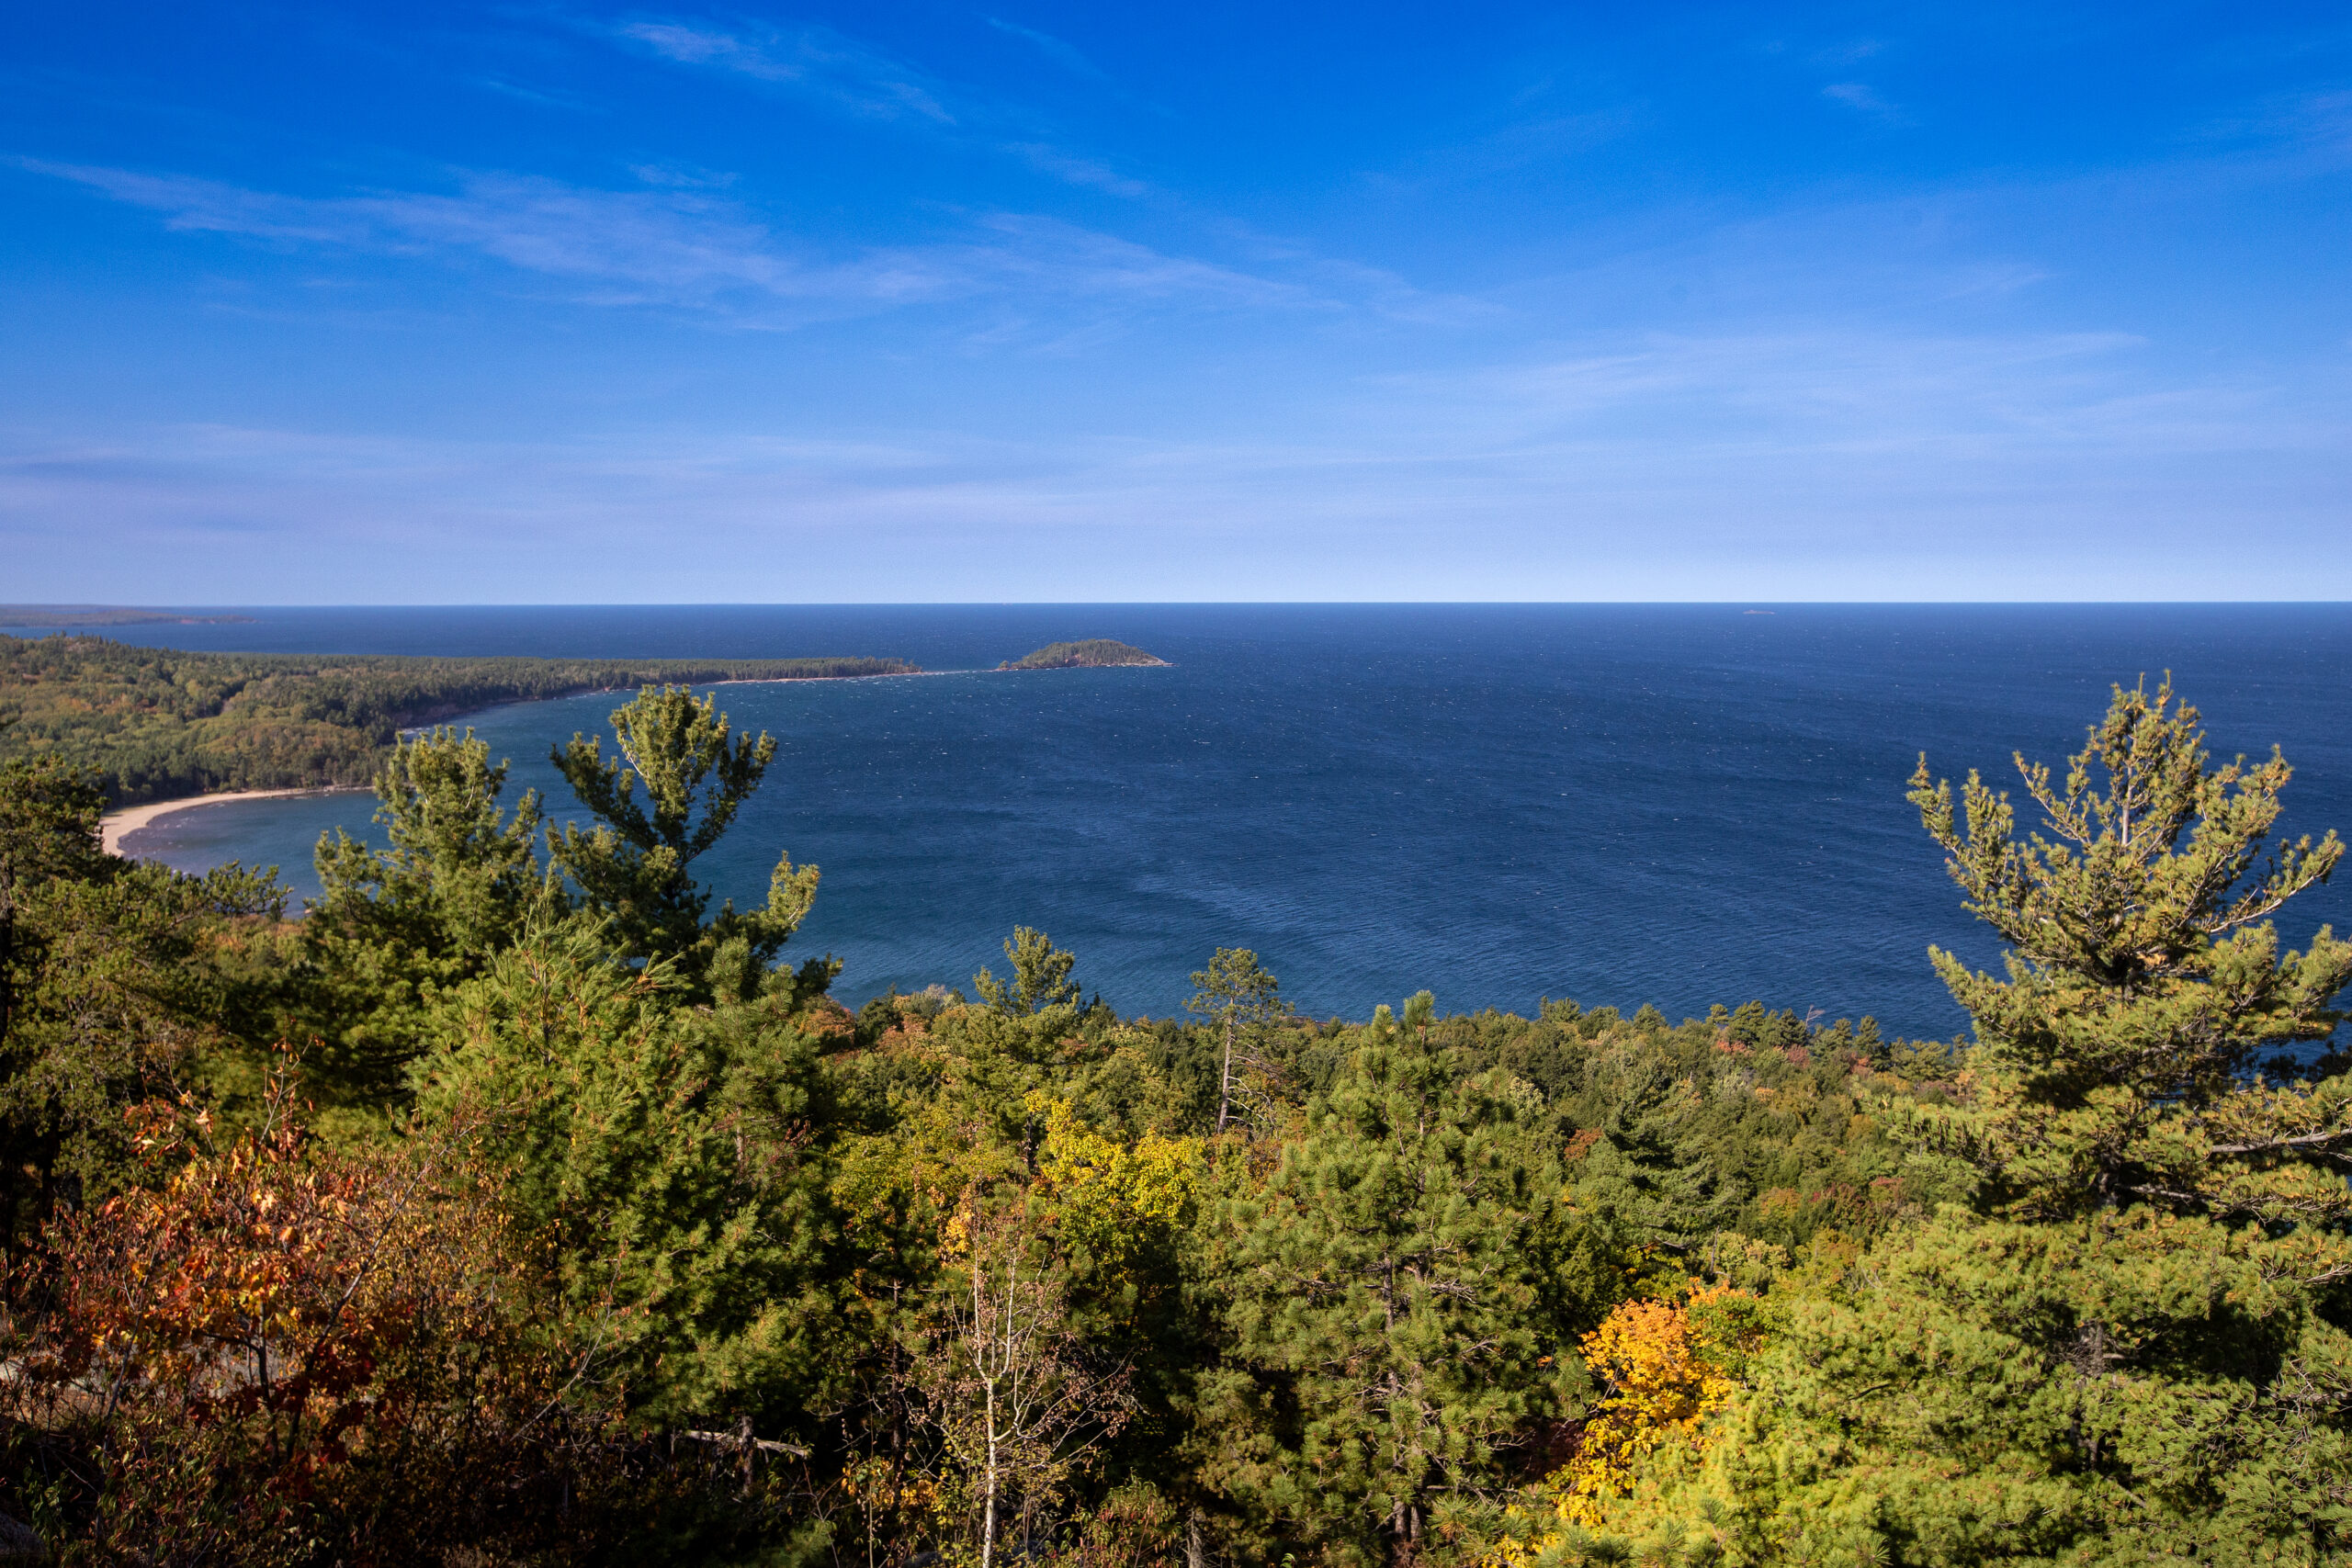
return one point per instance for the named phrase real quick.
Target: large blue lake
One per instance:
(1675, 805)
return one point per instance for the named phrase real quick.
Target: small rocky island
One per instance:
(1094, 653)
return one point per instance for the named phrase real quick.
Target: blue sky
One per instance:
(548, 303)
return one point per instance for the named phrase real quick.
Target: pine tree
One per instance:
(2130, 1346)
(49, 833)
(2143, 979)
(1384, 1362)
(1647, 1179)
(395, 928)
(1238, 995)
(663, 1152)
(456, 876)
(116, 986)
(1040, 977)
(633, 867)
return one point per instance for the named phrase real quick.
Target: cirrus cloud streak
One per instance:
(691, 249)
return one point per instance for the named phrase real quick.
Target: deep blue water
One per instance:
(1680, 805)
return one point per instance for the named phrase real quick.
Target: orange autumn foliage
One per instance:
(279, 1353)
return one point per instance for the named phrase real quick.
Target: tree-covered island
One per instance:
(519, 1205)
(1093, 653)
(157, 724)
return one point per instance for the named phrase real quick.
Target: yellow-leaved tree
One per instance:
(1119, 1203)
(1664, 1368)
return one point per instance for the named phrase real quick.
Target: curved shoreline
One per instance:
(117, 826)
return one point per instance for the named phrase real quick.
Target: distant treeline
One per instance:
(160, 723)
(58, 616)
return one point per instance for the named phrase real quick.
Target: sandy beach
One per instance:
(116, 826)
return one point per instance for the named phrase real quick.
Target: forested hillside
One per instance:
(156, 723)
(520, 1205)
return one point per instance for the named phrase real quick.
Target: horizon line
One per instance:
(62, 607)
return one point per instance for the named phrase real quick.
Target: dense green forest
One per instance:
(156, 724)
(518, 1205)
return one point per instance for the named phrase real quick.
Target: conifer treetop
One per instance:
(2144, 978)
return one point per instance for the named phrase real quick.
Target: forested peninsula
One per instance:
(520, 1204)
(158, 723)
(53, 616)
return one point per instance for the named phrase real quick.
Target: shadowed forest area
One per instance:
(518, 1202)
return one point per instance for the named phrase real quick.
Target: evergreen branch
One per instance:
(2307, 1140)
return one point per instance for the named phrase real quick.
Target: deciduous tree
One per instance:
(272, 1352)
(1018, 1399)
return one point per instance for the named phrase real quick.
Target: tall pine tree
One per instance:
(682, 776)
(395, 928)
(2130, 1346)
(1384, 1362)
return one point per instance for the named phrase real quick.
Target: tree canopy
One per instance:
(521, 1203)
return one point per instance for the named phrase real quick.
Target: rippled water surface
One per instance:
(1677, 805)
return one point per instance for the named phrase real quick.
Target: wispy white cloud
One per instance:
(817, 61)
(1852, 52)
(872, 84)
(540, 95)
(1075, 261)
(1845, 390)
(1061, 53)
(195, 204)
(1862, 96)
(681, 246)
(2301, 132)
(683, 177)
(643, 246)
(1556, 140)
(1073, 170)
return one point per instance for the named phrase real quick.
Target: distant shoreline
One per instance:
(806, 680)
(117, 826)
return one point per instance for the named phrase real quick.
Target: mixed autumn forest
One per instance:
(519, 1203)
